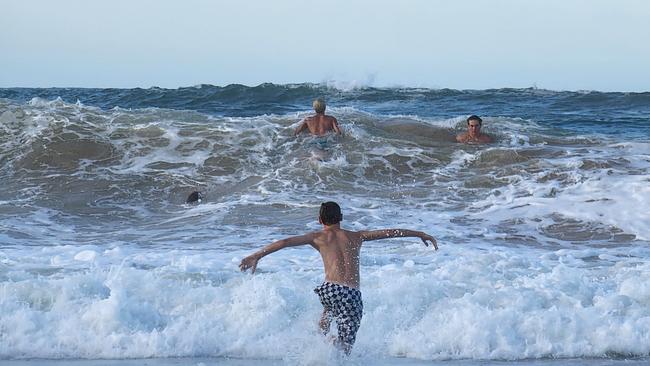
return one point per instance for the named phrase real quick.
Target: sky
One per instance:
(459, 44)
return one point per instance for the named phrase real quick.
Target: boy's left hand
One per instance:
(430, 238)
(248, 262)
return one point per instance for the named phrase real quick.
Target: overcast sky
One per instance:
(461, 44)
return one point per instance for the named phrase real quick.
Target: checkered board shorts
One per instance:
(344, 305)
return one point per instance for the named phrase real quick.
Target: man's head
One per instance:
(474, 124)
(319, 105)
(330, 213)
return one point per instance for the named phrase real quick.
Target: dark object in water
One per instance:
(195, 197)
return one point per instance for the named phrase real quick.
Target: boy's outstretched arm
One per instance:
(398, 233)
(251, 260)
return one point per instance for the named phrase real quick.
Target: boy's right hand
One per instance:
(249, 262)
(430, 238)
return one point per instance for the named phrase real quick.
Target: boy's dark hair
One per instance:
(474, 117)
(330, 213)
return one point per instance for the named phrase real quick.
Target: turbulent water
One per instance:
(543, 234)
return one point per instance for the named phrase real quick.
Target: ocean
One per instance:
(544, 234)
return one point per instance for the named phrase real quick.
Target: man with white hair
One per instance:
(319, 124)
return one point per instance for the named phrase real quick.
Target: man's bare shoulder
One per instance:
(465, 138)
(462, 137)
(485, 138)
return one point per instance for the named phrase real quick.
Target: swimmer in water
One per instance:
(473, 134)
(195, 197)
(319, 124)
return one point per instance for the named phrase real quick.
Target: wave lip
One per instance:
(242, 100)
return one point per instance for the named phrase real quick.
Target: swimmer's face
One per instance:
(474, 127)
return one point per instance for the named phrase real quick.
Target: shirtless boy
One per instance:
(319, 124)
(339, 249)
(473, 134)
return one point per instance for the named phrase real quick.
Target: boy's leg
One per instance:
(325, 321)
(347, 327)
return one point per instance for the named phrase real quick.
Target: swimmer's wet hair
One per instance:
(195, 197)
(319, 105)
(474, 117)
(330, 213)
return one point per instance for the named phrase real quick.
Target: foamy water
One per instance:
(543, 234)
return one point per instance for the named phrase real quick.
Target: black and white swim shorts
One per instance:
(343, 304)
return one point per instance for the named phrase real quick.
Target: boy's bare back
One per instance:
(340, 251)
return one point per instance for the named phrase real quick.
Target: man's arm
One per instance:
(251, 260)
(303, 126)
(398, 233)
(335, 124)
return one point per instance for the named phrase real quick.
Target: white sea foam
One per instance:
(457, 303)
(601, 196)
